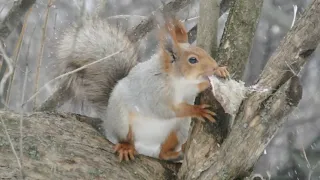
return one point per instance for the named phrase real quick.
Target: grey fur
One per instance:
(92, 41)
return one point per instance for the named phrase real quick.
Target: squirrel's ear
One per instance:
(180, 31)
(172, 35)
(169, 44)
(170, 49)
(177, 30)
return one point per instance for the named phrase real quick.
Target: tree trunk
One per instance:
(59, 146)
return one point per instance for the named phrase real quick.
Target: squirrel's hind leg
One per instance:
(168, 147)
(126, 149)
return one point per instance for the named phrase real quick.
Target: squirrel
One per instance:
(146, 107)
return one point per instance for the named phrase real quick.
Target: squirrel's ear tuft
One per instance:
(172, 35)
(177, 30)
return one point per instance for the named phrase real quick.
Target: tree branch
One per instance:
(237, 38)
(59, 146)
(208, 26)
(261, 114)
(224, 6)
(12, 19)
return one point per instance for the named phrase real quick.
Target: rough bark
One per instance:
(237, 38)
(12, 19)
(208, 26)
(261, 114)
(60, 146)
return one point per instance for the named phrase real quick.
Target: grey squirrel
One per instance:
(146, 107)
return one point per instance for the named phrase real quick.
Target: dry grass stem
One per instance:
(40, 56)
(11, 145)
(17, 54)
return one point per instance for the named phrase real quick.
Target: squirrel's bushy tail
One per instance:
(94, 40)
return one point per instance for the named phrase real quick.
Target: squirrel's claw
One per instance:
(126, 151)
(222, 72)
(202, 113)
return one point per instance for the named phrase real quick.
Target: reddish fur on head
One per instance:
(174, 43)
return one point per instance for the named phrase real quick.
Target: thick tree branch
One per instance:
(12, 19)
(261, 114)
(247, 141)
(291, 55)
(59, 146)
(224, 6)
(241, 19)
(237, 38)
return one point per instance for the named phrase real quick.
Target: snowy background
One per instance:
(295, 151)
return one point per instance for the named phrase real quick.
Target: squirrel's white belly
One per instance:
(150, 133)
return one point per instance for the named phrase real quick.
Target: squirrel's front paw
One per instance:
(201, 112)
(222, 72)
(125, 150)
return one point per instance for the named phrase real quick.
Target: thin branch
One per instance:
(21, 113)
(8, 61)
(295, 9)
(305, 157)
(127, 16)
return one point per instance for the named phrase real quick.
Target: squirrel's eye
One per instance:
(193, 60)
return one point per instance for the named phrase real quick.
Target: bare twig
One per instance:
(21, 113)
(40, 56)
(127, 16)
(191, 19)
(295, 9)
(7, 75)
(305, 157)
